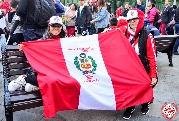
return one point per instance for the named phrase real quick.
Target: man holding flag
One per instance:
(144, 45)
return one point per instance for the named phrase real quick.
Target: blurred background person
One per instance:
(71, 16)
(102, 20)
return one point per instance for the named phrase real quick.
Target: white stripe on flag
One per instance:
(96, 89)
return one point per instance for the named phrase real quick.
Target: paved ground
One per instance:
(165, 91)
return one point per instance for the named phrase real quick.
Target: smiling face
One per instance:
(133, 23)
(55, 29)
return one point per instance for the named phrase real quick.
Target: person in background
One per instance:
(102, 20)
(29, 80)
(165, 16)
(94, 15)
(71, 16)
(176, 18)
(140, 6)
(144, 45)
(119, 11)
(31, 29)
(58, 7)
(16, 31)
(173, 11)
(108, 7)
(151, 13)
(125, 11)
(83, 19)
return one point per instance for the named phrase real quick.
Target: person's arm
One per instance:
(101, 15)
(22, 8)
(170, 14)
(59, 7)
(151, 56)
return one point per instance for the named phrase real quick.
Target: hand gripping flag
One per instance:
(100, 72)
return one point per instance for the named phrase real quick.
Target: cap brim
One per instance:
(56, 23)
(132, 18)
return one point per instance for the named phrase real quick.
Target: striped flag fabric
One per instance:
(100, 72)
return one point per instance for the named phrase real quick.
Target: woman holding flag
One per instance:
(54, 31)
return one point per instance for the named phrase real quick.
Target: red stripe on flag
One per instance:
(130, 81)
(59, 90)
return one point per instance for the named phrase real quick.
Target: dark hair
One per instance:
(14, 3)
(153, 5)
(174, 7)
(101, 3)
(75, 5)
(113, 21)
(94, 8)
(49, 35)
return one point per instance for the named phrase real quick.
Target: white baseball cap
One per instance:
(55, 20)
(132, 14)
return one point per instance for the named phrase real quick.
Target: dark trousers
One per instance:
(31, 77)
(132, 107)
(100, 30)
(175, 48)
(18, 37)
(176, 45)
(82, 31)
(33, 34)
(32, 80)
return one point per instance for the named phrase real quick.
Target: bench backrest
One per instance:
(15, 64)
(165, 42)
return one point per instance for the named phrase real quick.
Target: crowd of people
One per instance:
(86, 18)
(139, 24)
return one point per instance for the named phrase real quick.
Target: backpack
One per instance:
(156, 18)
(44, 9)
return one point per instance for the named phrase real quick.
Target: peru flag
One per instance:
(100, 72)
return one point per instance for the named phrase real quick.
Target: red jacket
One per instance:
(151, 53)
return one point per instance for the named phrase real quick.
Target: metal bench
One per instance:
(164, 44)
(15, 63)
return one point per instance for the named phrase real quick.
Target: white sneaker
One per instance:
(29, 87)
(17, 83)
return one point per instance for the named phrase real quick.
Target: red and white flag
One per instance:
(100, 72)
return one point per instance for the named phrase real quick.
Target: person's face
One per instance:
(55, 29)
(149, 3)
(167, 2)
(126, 6)
(72, 7)
(90, 3)
(1, 2)
(82, 2)
(138, 2)
(133, 23)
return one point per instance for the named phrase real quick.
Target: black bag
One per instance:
(44, 9)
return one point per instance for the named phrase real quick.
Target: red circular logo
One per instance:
(169, 111)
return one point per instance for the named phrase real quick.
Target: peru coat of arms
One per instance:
(85, 63)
